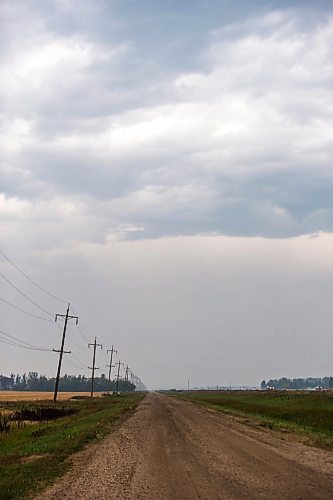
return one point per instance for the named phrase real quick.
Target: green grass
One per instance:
(307, 413)
(32, 456)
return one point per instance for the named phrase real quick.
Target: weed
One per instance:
(4, 423)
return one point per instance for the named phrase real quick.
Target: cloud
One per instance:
(159, 165)
(239, 147)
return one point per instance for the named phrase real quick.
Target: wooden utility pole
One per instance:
(126, 376)
(93, 368)
(61, 350)
(135, 381)
(111, 351)
(119, 363)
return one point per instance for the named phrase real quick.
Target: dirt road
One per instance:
(171, 449)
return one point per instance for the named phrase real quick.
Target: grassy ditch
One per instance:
(307, 413)
(38, 437)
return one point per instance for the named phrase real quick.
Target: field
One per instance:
(37, 437)
(37, 396)
(307, 413)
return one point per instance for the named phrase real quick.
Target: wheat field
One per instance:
(34, 396)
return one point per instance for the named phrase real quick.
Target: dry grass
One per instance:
(34, 396)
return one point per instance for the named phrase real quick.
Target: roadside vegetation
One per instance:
(307, 413)
(37, 438)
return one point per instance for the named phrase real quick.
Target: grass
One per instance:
(306, 413)
(32, 456)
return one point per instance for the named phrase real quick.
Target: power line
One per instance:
(70, 340)
(82, 333)
(82, 329)
(74, 365)
(31, 280)
(76, 345)
(26, 296)
(23, 344)
(78, 361)
(8, 342)
(25, 312)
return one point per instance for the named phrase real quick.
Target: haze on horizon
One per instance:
(167, 168)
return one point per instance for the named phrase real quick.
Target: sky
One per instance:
(167, 168)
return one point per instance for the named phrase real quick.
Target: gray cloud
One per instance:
(127, 125)
(92, 117)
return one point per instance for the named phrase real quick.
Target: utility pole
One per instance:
(93, 368)
(119, 363)
(135, 381)
(126, 376)
(111, 351)
(61, 351)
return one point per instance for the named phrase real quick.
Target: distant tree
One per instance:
(284, 383)
(68, 383)
(18, 379)
(300, 383)
(6, 383)
(33, 381)
(263, 384)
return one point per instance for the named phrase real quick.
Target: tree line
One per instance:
(299, 383)
(33, 381)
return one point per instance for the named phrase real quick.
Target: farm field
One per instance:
(38, 395)
(38, 436)
(306, 412)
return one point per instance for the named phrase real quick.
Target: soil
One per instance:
(172, 449)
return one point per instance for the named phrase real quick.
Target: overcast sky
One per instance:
(167, 168)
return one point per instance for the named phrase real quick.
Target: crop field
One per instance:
(36, 396)
(309, 413)
(38, 436)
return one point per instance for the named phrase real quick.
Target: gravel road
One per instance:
(171, 449)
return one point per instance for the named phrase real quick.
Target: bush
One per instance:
(40, 413)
